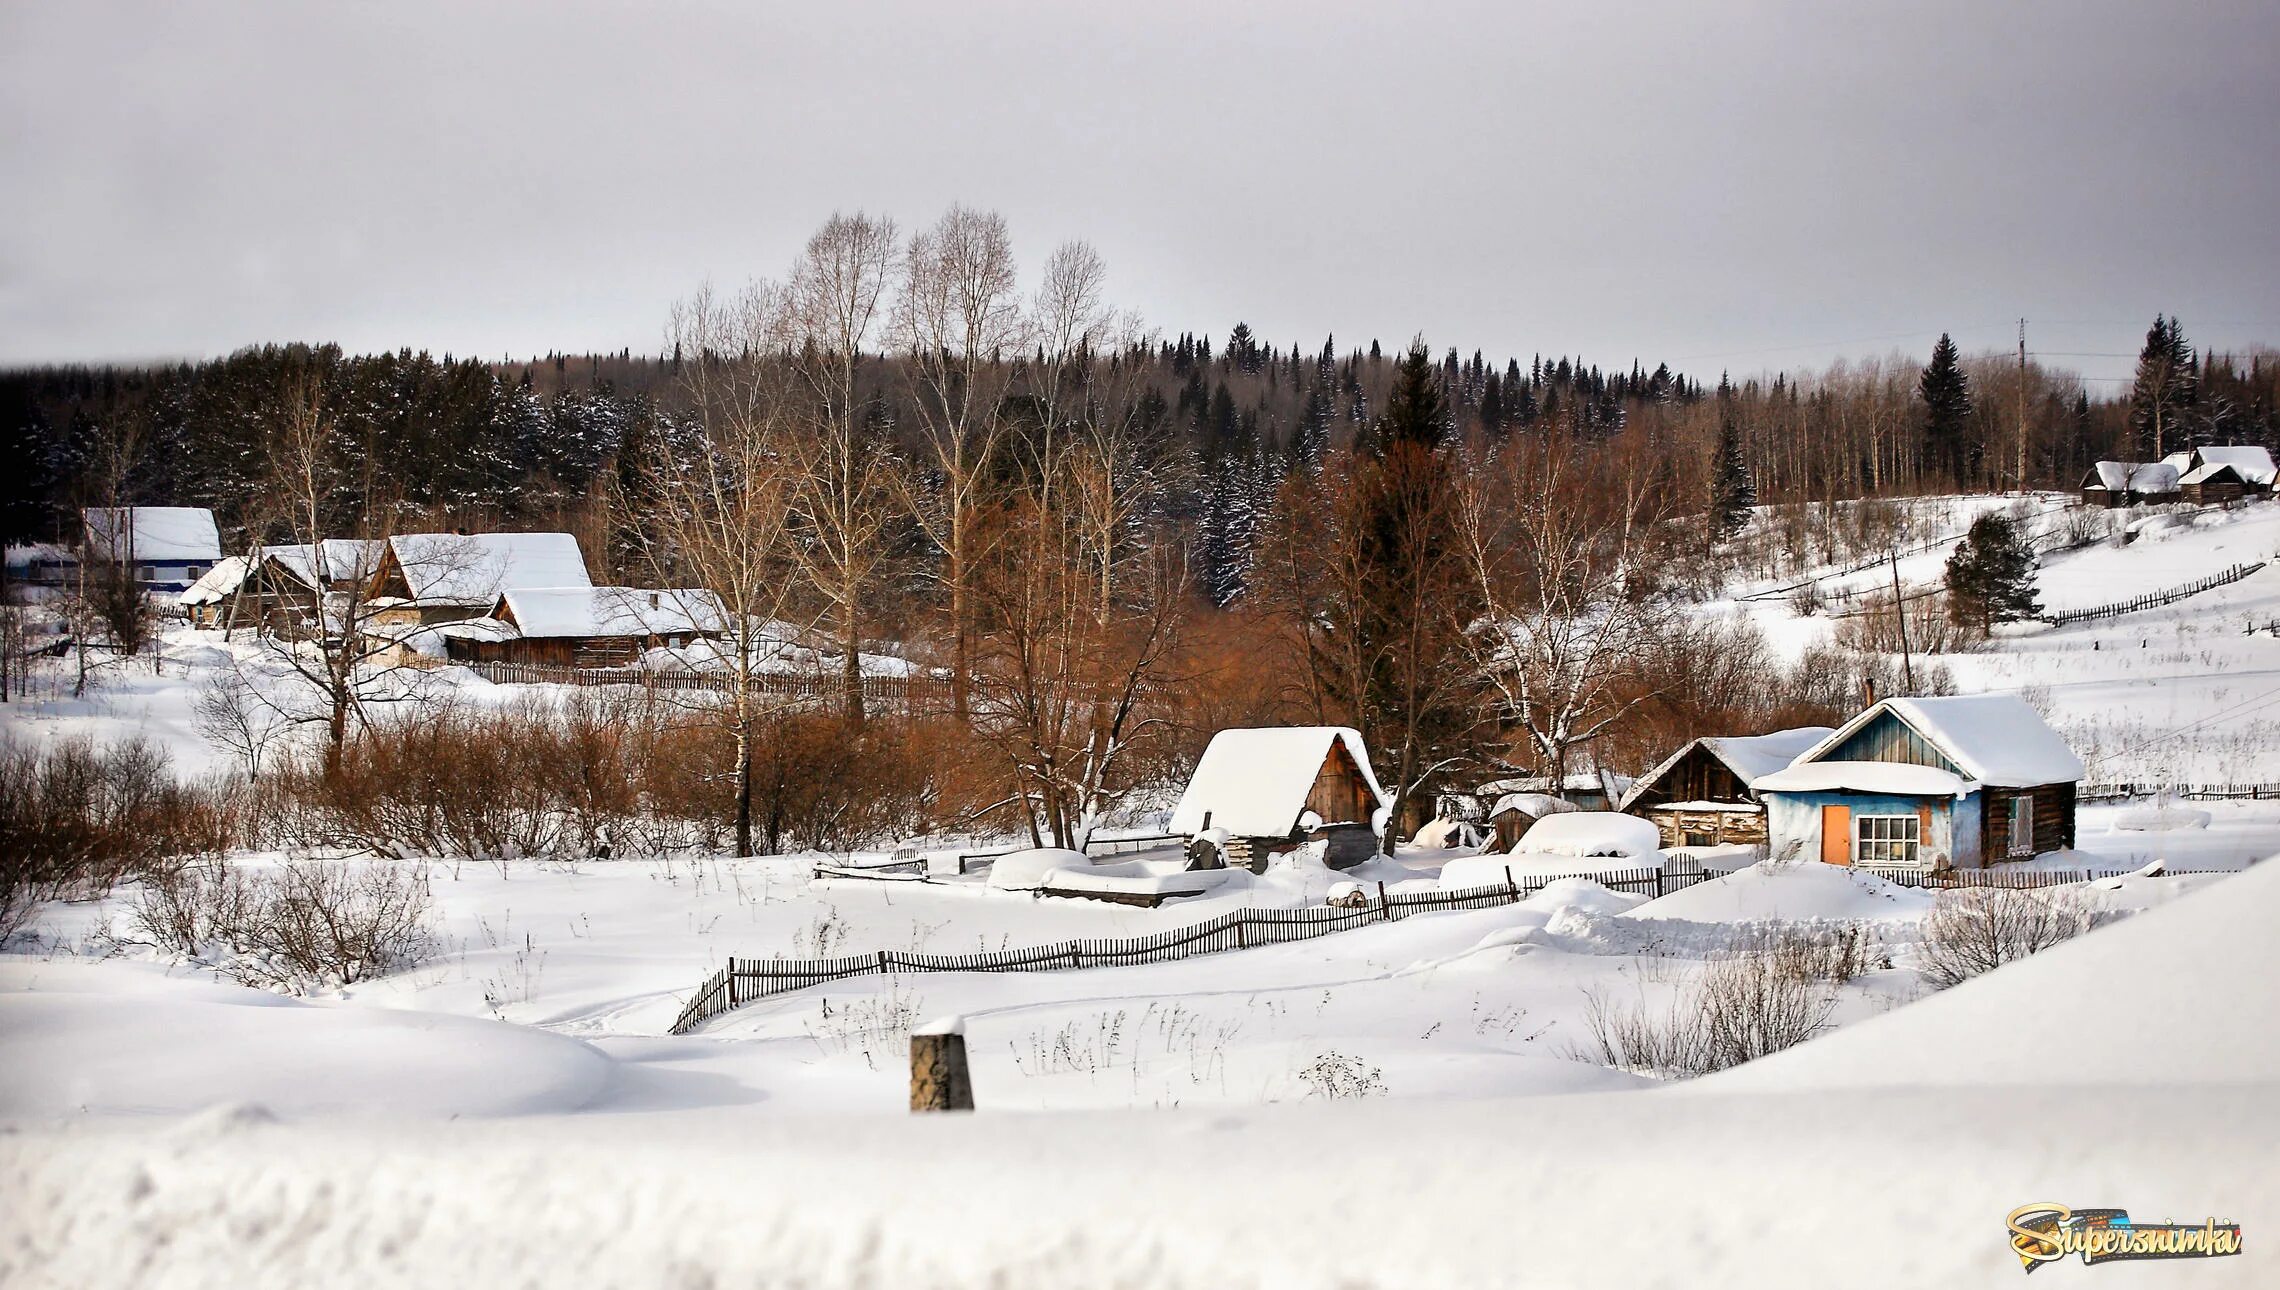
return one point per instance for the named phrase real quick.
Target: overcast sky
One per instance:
(1739, 186)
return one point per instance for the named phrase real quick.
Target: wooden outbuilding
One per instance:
(1704, 794)
(2114, 484)
(1259, 792)
(585, 626)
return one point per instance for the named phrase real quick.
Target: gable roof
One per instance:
(2253, 462)
(218, 583)
(1750, 757)
(473, 568)
(610, 611)
(1254, 783)
(154, 534)
(2133, 477)
(1995, 739)
(2214, 472)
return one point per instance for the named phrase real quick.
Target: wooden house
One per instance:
(2114, 484)
(1258, 792)
(1705, 793)
(584, 626)
(1512, 814)
(2251, 464)
(2212, 484)
(426, 579)
(1927, 783)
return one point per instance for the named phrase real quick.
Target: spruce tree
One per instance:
(1731, 493)
(1991, 576)
(2168, 386)
(1415, 412)
(1947, 412)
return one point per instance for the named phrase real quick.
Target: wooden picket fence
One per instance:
(903, 691)
(2155, 600)
(2194, 792)
(749, 980)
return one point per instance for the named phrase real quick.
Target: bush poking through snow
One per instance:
(325, 921)
(1335, 1075)
(1976, 929)
(1769, 995)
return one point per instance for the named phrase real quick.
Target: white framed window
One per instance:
(2022, 826)
(1886, 839)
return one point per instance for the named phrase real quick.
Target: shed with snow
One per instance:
(1269, 789)
(2127, 483)
(432, 578)
(585, 626)
(1959, 781)
(1705, 794)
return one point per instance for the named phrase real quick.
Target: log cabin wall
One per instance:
(2054, 812)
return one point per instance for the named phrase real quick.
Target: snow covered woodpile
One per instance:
(1927, 783)
(1704, 795)
(2127, 483)
(1269, 788)
(448, 577)
(586, 626)
(167, 547)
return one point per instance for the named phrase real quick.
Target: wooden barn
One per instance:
(2113, 484)
(1705, 793)
(1259, 792)
(424, 579)
(1961, 782)
(2251, 465)
(585, 626)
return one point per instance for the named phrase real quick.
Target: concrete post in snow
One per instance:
(939, 1079)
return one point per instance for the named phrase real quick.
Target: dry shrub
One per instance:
(1977, 929)
(1763, 998)
(77, 817)
(1872, 627)
(335, 922)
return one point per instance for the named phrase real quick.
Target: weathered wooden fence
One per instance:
(911, 691)
(2195, 792)
(2156, 599)
(748, 980)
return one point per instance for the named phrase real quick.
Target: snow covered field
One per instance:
(1414, 1103)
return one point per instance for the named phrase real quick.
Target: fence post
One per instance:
(939, 1077)
(1385, 907)
(1242, 941)
(882, 961)
(1658, 880)
(733, 1001)
(1511, 888)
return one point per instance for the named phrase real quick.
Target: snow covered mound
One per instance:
(2159, 819)
(2183, 994)
(1026, 870)
(113, 1038)
(1584, 894)
(1795, 891)
(1592, 833)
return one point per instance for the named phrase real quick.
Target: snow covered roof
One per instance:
(473, 568)
(1254, 783)
(154, 534)
(2209, 471)
(1900, 778)
(1750, 757)
(1994, 738)
(611, 611)
(2253, 462)
(217, 583)
(2135, 476)
(1536, 804)
(345, 559)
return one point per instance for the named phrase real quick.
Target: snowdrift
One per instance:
(1793, 891)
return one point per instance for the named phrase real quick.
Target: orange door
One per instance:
(1836, 834)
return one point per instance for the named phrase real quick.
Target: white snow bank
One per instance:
(2180, 995)
(1794, 891)
(116, 1038)
(1026, 870)
(1584, 894)
(1592, 833)
(1134, 878)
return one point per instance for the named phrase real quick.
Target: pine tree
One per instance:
(1991, 576)
(1947, 412)
(1415, 412)
(2168, 386)
(1731, 493)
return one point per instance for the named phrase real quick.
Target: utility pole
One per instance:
(1900, 610)
(2022, 465)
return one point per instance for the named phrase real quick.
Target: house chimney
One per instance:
(653, 600)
